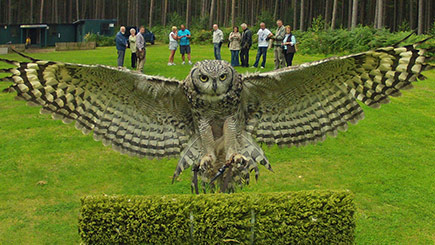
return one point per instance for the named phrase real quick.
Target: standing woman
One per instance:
(132, 41)
(173, 45)
(235, 46)
(289, 45)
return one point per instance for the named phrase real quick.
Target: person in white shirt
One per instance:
(263, 42)
(218, 37)
(173, 45)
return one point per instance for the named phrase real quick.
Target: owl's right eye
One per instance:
(203, 78)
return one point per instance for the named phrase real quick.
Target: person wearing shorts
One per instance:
(173, 45)
(184, 36)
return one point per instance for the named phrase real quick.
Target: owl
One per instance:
(216, 119)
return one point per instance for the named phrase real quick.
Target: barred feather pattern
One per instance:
(138, 115)
(300, 105)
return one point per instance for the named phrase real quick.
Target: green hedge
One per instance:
(319, 217)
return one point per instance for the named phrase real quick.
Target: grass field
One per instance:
(387, 161)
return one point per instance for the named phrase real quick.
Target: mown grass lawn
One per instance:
(387, 161)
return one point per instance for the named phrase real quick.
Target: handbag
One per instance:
(141, 54)
(291, 49)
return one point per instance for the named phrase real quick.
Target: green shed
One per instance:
(100, 27)
(44, 35)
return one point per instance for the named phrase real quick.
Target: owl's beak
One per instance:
(214, 85)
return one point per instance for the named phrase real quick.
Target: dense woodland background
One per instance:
(396, 15)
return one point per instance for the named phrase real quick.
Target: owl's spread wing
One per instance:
(136, 114)
(302, 104)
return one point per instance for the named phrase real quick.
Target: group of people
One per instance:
(137, 47)
(284, 44)
(239, 44)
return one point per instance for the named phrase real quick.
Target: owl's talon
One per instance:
(237, 158)
(206, 162)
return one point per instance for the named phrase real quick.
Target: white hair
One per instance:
(132, 29)
(244, 25)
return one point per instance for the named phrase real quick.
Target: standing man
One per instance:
(246, 45)
(184, 36)
(277, 44)
(218, 37)
(263, 37)
(121, 45)
(140, 49)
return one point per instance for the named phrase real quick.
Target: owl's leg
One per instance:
(232, 145)
(208, 144)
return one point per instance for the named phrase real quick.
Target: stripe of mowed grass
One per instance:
(386, 160)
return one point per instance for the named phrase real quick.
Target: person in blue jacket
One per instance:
(121, 45)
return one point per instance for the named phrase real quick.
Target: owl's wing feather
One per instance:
(138, 115)
(303, 104)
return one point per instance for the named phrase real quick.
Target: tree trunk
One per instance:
(56, 11)
(380, 14)
(188, 12)
(41, 12)
(103, 9)
(275, 11)
(349, 14)
(10, 11)
(165, 13)
(327, 12)
(212, 4)
(301, 20)
(150, 22)
(420, 17)
(354, 13)
(77, 10)
(295, 14)
(137, 13)
(334, 14)
(233, 13)
(31, 11)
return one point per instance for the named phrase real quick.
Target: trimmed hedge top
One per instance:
(319, 217)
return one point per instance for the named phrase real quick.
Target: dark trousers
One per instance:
(121, 54)
(244, 57)
(262, 51)
(235, 57)
(133, 60)
(217, 51)
(289, 58)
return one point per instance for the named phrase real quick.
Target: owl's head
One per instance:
(212, 77)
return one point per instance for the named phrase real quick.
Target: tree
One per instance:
(165, 13)
(275, 11)
(295, 13)
(212, 4)
(420, 17)
(77, 10)
(188, 12)
(233, 13)
(354, 13)
(379, 24)
(150, 23)
(334, 14)
(301, 21)
(41, 12)
(10, 11)
(327, 13)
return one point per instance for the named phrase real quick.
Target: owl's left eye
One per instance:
(203, 78)
(223, 77)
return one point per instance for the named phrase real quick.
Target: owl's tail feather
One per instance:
(189, 156)
(253, 151)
